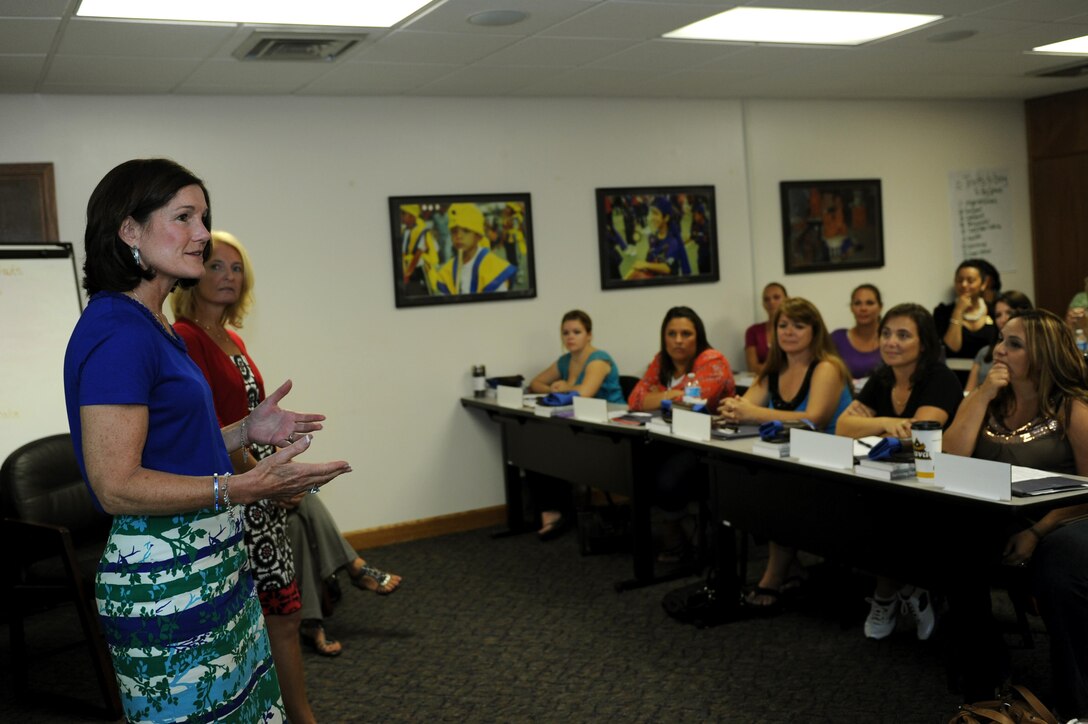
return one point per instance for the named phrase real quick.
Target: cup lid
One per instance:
(925, 425)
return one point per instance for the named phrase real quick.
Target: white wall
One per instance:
(304, 183)
(912, 148)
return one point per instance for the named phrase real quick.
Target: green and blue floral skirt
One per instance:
(182, 622)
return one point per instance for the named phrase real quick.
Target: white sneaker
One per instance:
(881, 620)
(920, 606)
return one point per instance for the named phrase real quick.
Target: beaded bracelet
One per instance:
(215, 490)
(245, 440)
(226, 490)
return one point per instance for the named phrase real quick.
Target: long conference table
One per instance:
(908, 529)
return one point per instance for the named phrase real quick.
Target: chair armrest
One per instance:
(31, 541)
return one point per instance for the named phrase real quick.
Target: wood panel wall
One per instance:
(1057, 131)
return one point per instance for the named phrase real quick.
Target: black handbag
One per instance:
(704, 603)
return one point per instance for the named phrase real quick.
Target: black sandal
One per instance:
(775, 606)
(313, 635)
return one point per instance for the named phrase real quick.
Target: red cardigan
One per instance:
(711, 369)
(228, 389)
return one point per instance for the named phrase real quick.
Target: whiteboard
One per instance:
(39, 306)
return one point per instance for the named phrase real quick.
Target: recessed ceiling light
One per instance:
(1073, 46)
(497, 18)
(372, 14)
(800, 27)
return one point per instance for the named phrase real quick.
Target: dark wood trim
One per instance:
(41, 198)
(426, 528)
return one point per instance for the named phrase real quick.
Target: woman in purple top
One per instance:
(756, 345)
(859, 346)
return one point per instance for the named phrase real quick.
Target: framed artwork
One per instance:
(830, 225)
(28, 203)
(463, 248)
(653, 236)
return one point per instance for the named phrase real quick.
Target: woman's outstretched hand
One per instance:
(272, 425)
(279, 477)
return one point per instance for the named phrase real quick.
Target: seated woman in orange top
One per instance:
(684, 350)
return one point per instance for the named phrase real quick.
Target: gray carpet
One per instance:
(510, 629)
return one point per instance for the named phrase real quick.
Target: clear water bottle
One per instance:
(479, 381)
(691, 387)
(1082, 341)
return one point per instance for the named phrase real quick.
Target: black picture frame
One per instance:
(426, 271)
(624, 216)
(832, 225)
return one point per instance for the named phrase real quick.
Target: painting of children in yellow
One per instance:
(419, 253)
(474, 268)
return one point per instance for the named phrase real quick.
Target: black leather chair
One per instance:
(53, 538)
(627, 385)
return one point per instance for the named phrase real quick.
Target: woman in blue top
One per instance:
(178, 606)
(804, 379)
(590, 372)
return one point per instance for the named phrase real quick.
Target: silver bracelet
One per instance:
(245, 440)
(226, 490)
(215, 490)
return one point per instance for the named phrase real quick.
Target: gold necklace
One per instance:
(157, 315)
(899, 405)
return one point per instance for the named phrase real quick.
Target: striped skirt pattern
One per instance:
(182, 622)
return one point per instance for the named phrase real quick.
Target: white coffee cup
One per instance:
(926, 440)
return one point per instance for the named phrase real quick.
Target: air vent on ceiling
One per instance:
(300, 48)
(1064, 71)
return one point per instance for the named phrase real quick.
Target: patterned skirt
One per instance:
(184, 628)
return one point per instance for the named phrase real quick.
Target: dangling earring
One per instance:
(136, 257)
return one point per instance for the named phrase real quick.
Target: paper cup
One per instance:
(926, 440)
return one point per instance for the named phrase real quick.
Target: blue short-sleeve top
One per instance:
(119, 354)
(610, 388)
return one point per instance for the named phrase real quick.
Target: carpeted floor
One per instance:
(513, 630)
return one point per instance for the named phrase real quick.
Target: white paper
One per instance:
(862, 450)
(691, 425)
(590, 409)
(509, 396)
(822, 449)
(981, 204)
(971, 476)
(1020, 473)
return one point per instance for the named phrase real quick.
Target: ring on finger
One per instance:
(314, 490)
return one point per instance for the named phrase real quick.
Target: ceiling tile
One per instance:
(556, 52)
(485, 81)
(33, 8)
(20, 71)
(408, 46)
(158, 73)
(667, 55)
(377, 78)
(629, 20)
(28, 36)
(285, 75)
(142, 40)
(452, 16)
(1038, 10)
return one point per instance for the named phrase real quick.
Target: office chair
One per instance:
(627, 385)
(53, 538)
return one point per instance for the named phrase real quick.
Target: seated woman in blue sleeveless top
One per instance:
(590, 372)
(804, 379)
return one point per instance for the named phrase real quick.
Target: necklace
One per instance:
(157, 315)
(981, 307)
(899, 405)
(213, 330)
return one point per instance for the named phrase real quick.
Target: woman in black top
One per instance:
(911, 385)
(965, 326)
